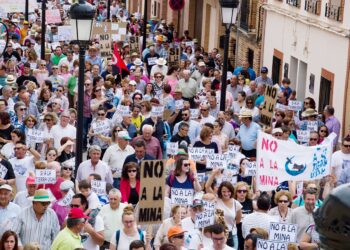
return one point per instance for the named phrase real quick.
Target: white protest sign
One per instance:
(152, 61)
(123, 110)
(196, 153)
(179, 104)
(157, 111)
(67, 199)
(201, 177)
(234, 148)
(181, 196)
(65, 32)
(303, 135)
(215, 161)
(312, 126)
(53, 16)
(250, 168)
(279, 160)
(101, 127)
(172, 148)
(283, 232)
(189, 44)
(281, 107)
(194, 113)
(3, 171)
(295, 105)
(99, 187)
(35, 135)
(300, 188)
(45, 176)
(269, 244)
(207, 217)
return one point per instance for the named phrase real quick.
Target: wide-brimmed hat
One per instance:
(138, 62)
(41, 195)
(309, 112)
(246, 114)
(161, 61)
(10, 79)
(134, 54)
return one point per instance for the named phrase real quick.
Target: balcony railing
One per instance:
(334, 12)
(313, 6)
(244, 22)
(295, 3)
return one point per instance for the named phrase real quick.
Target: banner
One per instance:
(198, 154)
(152, 191)
(207, 217)
(295, 105)
(134, 44)
(53, 16)
(269, 244)
(270, 99)
(181, 196)
(283, 232)
(7, 6)
(279, 160)
(45, 176)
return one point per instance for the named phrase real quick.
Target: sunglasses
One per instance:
(101, 114)
(249, 102)
(283, 201)
(184, 114)
(47, 120)
(204, 109)
(97, 90)
(186, 164)
(76, 206)
(242, 191)
(87, 84)
(66, 168)
(181, 236)
(23, 109)
(306, 103)
(346, 145)
(313, 139)
(17, 148)
(60, 90)
(158, 77)
(323, 131)
(117, 130)
(132, 171)
(53, 155)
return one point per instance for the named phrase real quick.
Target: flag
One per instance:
(118, 61)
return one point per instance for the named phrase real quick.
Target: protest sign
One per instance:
(99, 187)
(66, 200)
(45, 176)
(173, 57)
(179, 104)
(295, 105)
(283, 232)
(207, 217)
(269, 244)
(152, 61)
(172, 148)
(303, 136)
(250, 168)
(100, 28)
(281, 107)
(194, 113)
(215, 161)
(7, 6)
(53, 16)
(279, 160)
(35, 136)
(3, 171)
(123, 110)
(152, 191)
(181, 196)
(312, 126)
(201, 177)
(134, 44)
(198, 154)
(300, 188)
(101, 127)
(270, 99)
(119, 31)
(102, 32)
(65, 32)
(157, 111)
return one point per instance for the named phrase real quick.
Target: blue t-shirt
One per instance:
(248, 136)
(188, 184)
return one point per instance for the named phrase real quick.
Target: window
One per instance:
(295, 3)
(335, 10)
(326, 89)
(244, 24)
(277, 61)
(313, 6)
(250, 57)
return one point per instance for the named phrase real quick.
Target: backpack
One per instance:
(117, 236)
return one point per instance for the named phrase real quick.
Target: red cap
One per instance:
(77, 213)
(30, 180)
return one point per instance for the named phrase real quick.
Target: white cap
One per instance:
(6, 186)
(66, 185)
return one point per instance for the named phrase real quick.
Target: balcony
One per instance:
(334, 12)
(294, 3)
(248, 15)
(313, 6)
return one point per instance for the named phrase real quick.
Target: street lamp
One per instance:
(229, 11)
(82, 15)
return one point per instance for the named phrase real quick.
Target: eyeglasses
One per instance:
(101, 114)
(217, 239)
(74, 205)
(242, 191)
(137, 98)
(97, 90)
(23, 109)
(283, 201)
(42, 64)
(17, 148)
(66, 168)
(181, 236)
(44, 204)
(277, 134)
(346, 145)
(306, 103)
(132, 171)
(313, 139)
(47, 120)
(117, 130)
(187, 164)
(184, 114)
(204, 109)
(87, 84)
(60, 90)
(249, 102)
(128, 221)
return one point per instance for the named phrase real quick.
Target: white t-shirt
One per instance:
(193, 235)
(212, 248)
(230, 214)
(58, 132)
(339, 162)
(93, 200)
(99, 226)
(21, 167)
(124, 240)
(22, 199)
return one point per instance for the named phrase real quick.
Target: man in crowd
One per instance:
(62, 129)
(139, 155)
(153, 147)
(341, 158)
(188, 86)
(332, 123)
(194, 127)
(8, 210)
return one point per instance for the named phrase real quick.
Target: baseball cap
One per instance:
(6, 187)
(175, 230)
(30, 180)
(197, 203)
(132, 82)
(277, 130)
(201, 64)
(66, 185)
(264, 70)
(77, 213)
(124, 135)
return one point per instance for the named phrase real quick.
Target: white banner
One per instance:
(181, 196)
(45, 176)
(295, 105)
(283, 232)
(199, 153)
(279, 160)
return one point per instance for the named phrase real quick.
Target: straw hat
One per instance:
(309, 112)
(138, 62)
(161, 61)
(10, 80)
(41, 195)
(246, 114)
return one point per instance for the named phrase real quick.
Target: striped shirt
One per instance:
(29, 229)
(257, 219)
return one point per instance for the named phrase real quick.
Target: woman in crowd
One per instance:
(29, 125)
(41, 73)
(65, 152)
(282, 211)
(5, 127)
(149, 92)
(8, 149)
(322, 133)
(239, 104)
(232, 211)
(50, 119)
(130, 183)
(249, 105)
(219, 136)
(18, 118)
(97, 101)
(51, 155)
(146, 108)
(241, 177)
(64, 73)
(158, 84)
(172, 78)
(166, 99)
(9, 241)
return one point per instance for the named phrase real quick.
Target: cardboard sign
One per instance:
(157, 111)
(67, 199)
(100, 28)
(303, 136)
(295, 105)
(173, 57)
(119, 31)
(134, 44)
(215, 161)
(269, 244)
(102, 32)
(172, 148)
(152, 191)
(207, 217)
(45, 176)
(53, 16)
(35, 136)
(179, 104)
(181, 196)
(194, 114)
(283, 232)
(312, 126)
(250, 168)
(3, 171)
(99, 187)
(101, 127)
(270, 99)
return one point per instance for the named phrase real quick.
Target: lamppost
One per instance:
(144, 27)
(43, 29)
(229, 10)
(82, 15)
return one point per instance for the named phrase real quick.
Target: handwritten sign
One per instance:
(207, 217)
(283, 232)
(3, 171)
(181, 196)
(35, 135)
(53, 16)
(270, 99)
(215, 161)
(157, 111)
(199, 153)
(268, 245)
(99, 187)
(250, 168)
(179, 104)
(201, 177)
(172, 148)
(67, 199)
(303, 136)
(312, 126)
(65, 32)
(152, 61)
(134, 44)
(194, 114)
(152, 191)
(281, 107)
(123, 110)
(295, 105)
(101, 127)
(173, 57)
(119, 31)
(45, 176)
